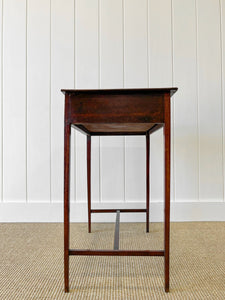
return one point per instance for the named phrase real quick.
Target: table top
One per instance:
(170, 90)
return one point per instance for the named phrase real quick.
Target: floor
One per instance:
(31, 262)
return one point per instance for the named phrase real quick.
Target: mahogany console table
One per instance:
(117, 112)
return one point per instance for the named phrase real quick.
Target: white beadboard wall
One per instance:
(47, 45)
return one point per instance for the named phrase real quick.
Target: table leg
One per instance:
(89, 180)
(167, 190)
(147, 180)
(67, 133)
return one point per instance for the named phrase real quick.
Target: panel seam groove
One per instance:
(222, 94)
(124, 138)
(124, 166)
(123, 15)
(26, 112)
(2, 106)
(74, 131)
(50, 98)
(99, 86)
(148, 67)
(197, 94)
(173, 102)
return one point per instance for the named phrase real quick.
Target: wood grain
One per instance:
(92, 107)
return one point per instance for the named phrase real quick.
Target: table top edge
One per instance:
(171, 90)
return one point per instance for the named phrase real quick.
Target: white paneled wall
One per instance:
(185, 72)
(38, 100)
(111, 68)
(1, 106)
(14, 101)
(210, 101)
(47, 45)
(62, 74)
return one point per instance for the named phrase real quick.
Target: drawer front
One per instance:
(116, 108)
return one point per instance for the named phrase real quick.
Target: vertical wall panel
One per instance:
(160, 73)
(157, 167)
(53, 44)
(111, 76)
(136, 75)
(185, 102)
(87, 44)
(87, 76)
(38, 100)
(210, 106)
(112, 169)
(160, 44)
(81, 167)
(73, 166)
(111, 43)
(135, 166)
(95, 169)
(135, 43)
(62, 76)
(14, 101)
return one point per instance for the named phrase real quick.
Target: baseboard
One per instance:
(45, 212)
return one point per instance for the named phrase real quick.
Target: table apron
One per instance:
(116, 109)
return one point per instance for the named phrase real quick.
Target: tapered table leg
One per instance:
(67, 134)
(167, 190)
(147, 180)
(89, 180)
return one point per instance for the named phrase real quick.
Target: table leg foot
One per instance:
(147, 224)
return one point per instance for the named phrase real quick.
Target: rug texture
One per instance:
(31, 262)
